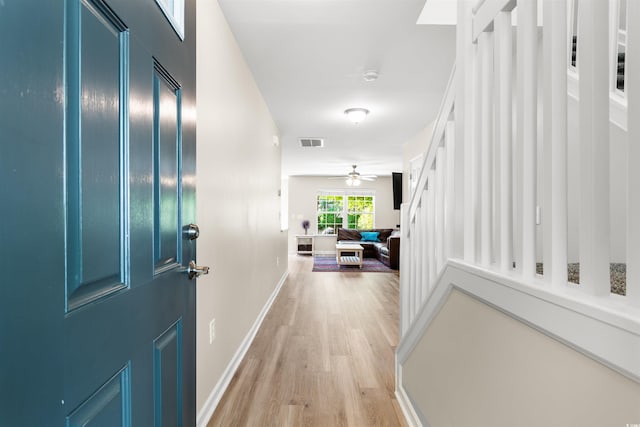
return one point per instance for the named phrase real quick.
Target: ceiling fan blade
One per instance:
(367, 178)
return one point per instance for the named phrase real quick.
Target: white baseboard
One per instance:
(410, 415)
(216, 394)
(325, 253)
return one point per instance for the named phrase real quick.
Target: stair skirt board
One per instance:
(212, 401)
(566, 317)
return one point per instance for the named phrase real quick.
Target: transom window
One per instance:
(174, 12)
(333, 207)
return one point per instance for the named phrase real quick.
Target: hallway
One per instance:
(324, 355)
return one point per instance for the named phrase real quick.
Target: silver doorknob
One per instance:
(191, 231)
(196, 270)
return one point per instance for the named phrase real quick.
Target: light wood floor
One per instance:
(324, 355)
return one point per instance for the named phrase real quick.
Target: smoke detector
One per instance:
(370, 75)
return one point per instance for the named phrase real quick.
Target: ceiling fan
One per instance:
(354, 178)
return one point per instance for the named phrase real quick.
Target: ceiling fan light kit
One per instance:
(354, 179)
(356, 115)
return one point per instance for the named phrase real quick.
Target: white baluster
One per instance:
(464, 232)
(439, 209)
(450, 213)
(424, 259)
(413, 254)
(593, 52)
(554, 213)
(504, 111)
(471, 163)
(431, 227)
(527, 80)
(419, 256)
(426, 239)
(485, 45)
(632, 87)
(405, 268)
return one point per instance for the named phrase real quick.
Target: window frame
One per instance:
(344, 212)
(174, 11)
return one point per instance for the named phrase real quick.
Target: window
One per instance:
(360, 212)
(174, 12)
(330, 210)
(334, 206)
(574, 34)
(621, 46)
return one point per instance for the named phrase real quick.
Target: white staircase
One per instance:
(491, 203)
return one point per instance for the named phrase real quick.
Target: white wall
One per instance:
(476, 366)
(415, 146)
(238, 172)
(302, 205)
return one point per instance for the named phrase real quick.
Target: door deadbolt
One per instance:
(191, 231)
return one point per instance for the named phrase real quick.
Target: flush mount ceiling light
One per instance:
(356, 115)
(370, 75)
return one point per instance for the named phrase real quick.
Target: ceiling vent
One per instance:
(311, 142)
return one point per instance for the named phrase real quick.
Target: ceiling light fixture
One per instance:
(370, 75)
(356, 115)
(353, 181)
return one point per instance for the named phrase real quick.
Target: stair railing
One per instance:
(427, 234)
(482, 200)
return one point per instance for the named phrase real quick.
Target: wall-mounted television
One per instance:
(396, 177)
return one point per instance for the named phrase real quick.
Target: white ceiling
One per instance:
(308, 58)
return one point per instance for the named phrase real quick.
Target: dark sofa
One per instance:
(387, 250)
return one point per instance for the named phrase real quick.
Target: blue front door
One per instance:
(97, 165)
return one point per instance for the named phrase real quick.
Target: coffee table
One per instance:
(355, 259)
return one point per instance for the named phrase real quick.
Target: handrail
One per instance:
(436, 137)
(477, 6)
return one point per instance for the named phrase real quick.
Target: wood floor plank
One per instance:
(324, 355)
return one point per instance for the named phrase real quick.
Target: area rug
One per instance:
(369, 265)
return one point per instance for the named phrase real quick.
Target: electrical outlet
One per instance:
(212, 330)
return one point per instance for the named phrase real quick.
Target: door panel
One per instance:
(166, 147)
(108, 406)
(97, 71)
(97, 192)
(167, 370)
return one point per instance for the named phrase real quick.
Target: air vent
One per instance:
(311, 142)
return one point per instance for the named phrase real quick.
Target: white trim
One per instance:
(606, 329)
(406, 404)
(573, 80)
(216, 394)
(345, 194)
(617, 104)
(618, 110)
(486, 13)
(333, 253)
(175, 16)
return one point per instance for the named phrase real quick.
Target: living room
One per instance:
(303, 205)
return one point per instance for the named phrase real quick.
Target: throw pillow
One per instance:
(369, 236)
